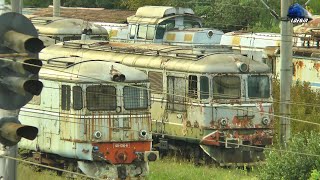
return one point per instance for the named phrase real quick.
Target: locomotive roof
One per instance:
(157, 14)
(312, 26)
(65, 26)
(161, 11)
(154, 56)
(82, 70)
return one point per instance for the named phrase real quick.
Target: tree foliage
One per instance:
(227, 15)
(305, 105)
(110, 4)
(296, 162)
(315, 175)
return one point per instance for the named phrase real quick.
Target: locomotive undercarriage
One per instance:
(101, 169)
(223, 155)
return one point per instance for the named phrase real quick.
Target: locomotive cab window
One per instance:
(133, 31)
(226, 87)
(101, 97)
(191, 23)
(258, 87)
(77, 98)
(193, 87)
(204, 87)
(65, 97)
(135, 97)
(176, 93)
(150, 32)
(142, 32)
(161, 29)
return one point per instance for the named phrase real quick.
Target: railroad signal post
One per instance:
(19, 68)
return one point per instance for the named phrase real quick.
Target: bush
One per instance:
(305, 105)
(315, 175)
(289, 165)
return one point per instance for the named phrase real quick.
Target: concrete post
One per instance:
(16, 6)
(8, 167)
(285, 72)
(56, 8)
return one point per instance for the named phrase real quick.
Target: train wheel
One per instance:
(197, 156)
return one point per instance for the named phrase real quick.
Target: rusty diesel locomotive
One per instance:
(265, 47)
(92, 115)
(164, 25)
(216, 104)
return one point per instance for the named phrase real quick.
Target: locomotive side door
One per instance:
(176, 114)
(50, 112)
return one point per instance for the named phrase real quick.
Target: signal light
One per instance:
(22, 42)
(18, 77)
(19, 82)
(11, 131)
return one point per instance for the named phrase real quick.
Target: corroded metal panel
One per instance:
(304, 68)
(210, 63)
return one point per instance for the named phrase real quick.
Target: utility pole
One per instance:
(16, 6)
(56, 8)
(285, 72)
(2, 8)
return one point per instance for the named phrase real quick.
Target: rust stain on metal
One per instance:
(299, 64)
(316, 66)
(196, 124)
(92, 124)
(241, 122)
(212, 123)
(294, 69)
(110, 130)
(211, 139)
(188, 124)
(260, 108)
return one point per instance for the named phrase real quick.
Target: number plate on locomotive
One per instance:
(121, 145)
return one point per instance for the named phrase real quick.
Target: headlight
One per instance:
(97, 134)
(143, 133)
(223, 121)
(210, 33)
(265, 121)
(243, 67)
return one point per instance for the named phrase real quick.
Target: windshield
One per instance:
(135, 97)
(101, 97)
(226, 87)
(258, 87)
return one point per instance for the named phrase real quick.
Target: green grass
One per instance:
(171, 169)
(27, 172)
(164, 169)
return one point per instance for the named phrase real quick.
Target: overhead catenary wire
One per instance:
(221, 95)
(49, 167)
(117, 82)
(242, 145)
(274, 115)
(228, 96)
(299, 103)
(139, 87)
